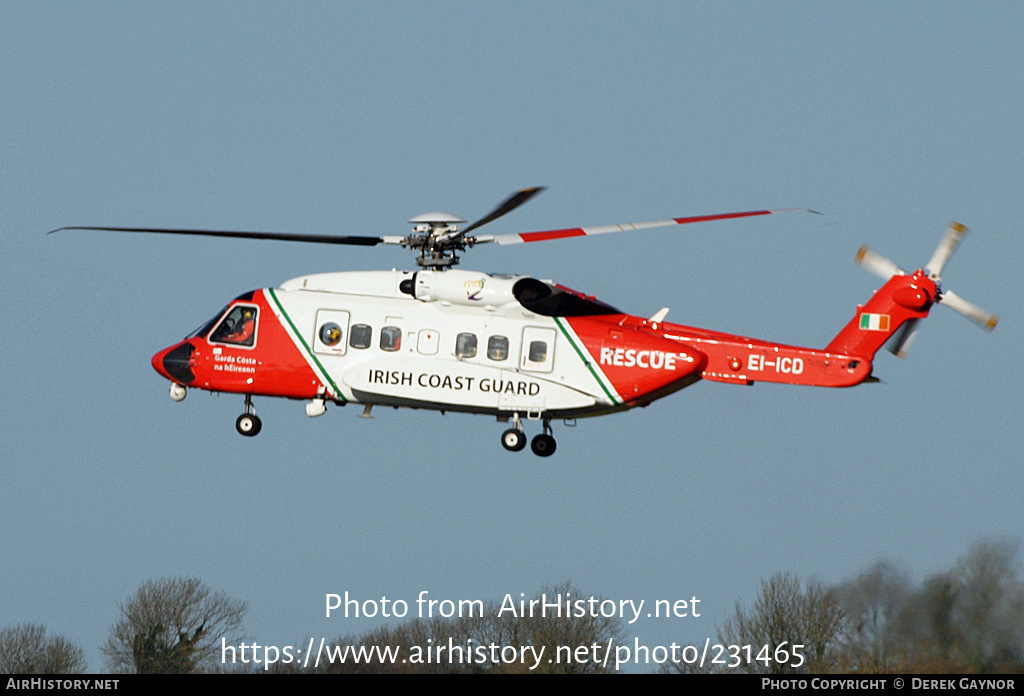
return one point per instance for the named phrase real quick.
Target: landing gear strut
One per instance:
(249, 424)
(514, 439)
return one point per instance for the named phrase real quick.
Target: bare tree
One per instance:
(876, 603)
(25, 649)
(969, 618)
(574, 629)
(786, 615)
(991, 607)
(173, 627)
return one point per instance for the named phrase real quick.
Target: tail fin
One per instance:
(903, 298)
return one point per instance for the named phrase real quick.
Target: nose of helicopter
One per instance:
(174, 363)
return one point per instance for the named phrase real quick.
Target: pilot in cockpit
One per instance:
(238, 327)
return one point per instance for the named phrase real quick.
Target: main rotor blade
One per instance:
(976, 314)
(903, 338)
(950, 241)
(280, 236)
(877, 264)
(543, 236)
(507, 206)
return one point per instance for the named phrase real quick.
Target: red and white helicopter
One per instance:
(513, 347)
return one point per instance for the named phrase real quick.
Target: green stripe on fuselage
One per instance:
(583, 357)
(309, 352)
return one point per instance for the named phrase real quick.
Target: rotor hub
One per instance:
(437, 237)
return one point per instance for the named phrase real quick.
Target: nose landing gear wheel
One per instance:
(513, 440)
(543, 445)
(248, 425)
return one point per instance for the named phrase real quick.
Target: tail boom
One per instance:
(740, 360)
(844, 362)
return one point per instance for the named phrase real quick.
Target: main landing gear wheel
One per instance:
(513, 440)
(543, 445)
(249, 425)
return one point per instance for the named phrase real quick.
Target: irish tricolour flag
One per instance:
(874, 322)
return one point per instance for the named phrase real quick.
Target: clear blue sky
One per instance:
(351, 118)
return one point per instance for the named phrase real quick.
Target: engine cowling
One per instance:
(459, 287)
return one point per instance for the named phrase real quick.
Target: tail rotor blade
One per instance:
(877, 264)
(976, 314)
(903, 338)
(950, 241)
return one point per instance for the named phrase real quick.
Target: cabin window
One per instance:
(360, 336)
(238, 327)
(538, 351)
(465, 345)
(497, 348)
(390, 338)
(330, 334)
(331, 325)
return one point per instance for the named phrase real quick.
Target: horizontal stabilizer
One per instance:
(660, 315)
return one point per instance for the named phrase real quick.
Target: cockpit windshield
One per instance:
(205, 328)
(238, 327)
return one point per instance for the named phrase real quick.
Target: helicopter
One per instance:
(512, 347)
